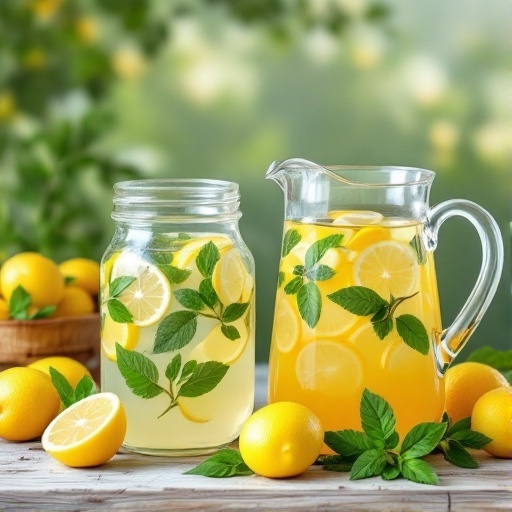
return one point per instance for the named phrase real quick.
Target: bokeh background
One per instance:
(94, 92)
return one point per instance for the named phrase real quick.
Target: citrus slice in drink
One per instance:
(88, 433)
(330, 367)
(367, 236)
(126, 334)
(358, 218)
(248, 288)
(148, 297)
(229, 277)
(188, 253)
(389, 268)
(287, 325)
(334, 320)
(106, 267)
(191, 411)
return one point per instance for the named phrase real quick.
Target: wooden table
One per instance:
(30, 479)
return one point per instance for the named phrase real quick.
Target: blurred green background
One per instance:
(96, 92)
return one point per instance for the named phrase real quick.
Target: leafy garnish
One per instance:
(226, 463)
(68, 396)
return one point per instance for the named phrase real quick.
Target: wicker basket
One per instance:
(24, 341)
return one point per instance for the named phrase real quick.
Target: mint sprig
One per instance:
(68, 396)
(19, 306)
(117, 310)
(291, 238)
(226, 463)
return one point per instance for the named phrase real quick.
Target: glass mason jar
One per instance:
(177, 307)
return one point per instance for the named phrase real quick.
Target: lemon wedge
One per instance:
(126, 334)
(229, 277)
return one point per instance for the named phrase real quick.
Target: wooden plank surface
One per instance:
(30, 479)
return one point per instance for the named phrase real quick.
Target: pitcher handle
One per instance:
(454, 337)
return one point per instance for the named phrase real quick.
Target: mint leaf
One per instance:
(293, 286)
(499, 359)
(85, 387)
(63, 387)
(419, 250)
(348, 443)
(358, 300)
(19, 303)
(382, 327)
(234, 312)
(422, 439)
(119, 284)
(175, 275)
(208, 293)
(457, 455)
(463, 424)
(175, 331)
(309, 303)
(189, 299)
(280, 279)
(188, 369)
(231, 332)
(390, 472)
(368, 464)
(471, 439)
(320, 273)
(291, 239)
(207, 258)
(377, 418)
(419, 471)
(225, 463)
(203, 379)
(392, 441)
(139, 372)
(318, 249)
(119, 312)
(413, 332)
(299, 270)
(44, 312)
(158, 258)
(173, 368)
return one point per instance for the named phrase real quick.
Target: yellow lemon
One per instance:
(106, 268)
(367, 236)
(72, 369)
(126, 334)
(28, 402)
(465, 383)
(229, 277)
(75, 301)
(281, 440)
(4, 310)
(492, 416)
(287, 325)
(88, 433)
(38, 275)
(84, 273)
(357, 218)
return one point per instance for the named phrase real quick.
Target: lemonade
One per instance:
(178, 339)
(357, 307)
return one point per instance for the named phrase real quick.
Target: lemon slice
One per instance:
(188, 407)
(330, 367)
(388, 268)
(187, 254)
(87, 433)
(334, 320)
(358, 218)
(368, 236)
(229, 277)
(149, 296)
(287, 326)
(127, 335)
(248, 288)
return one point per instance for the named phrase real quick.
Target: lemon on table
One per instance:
(281, 440)
(229, 277)
(84, 272)
(75, 301)
(126, 334)
(28, 402)
(389, 268)
(148, 297)
(88, 433)
(465, 383)
(492, 416)
(72, 369)
(287, 325)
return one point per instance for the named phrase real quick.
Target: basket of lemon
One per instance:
(48, 309)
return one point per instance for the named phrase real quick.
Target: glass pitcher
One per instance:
(357, 303)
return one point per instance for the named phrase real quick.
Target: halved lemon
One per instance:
(358, 218)
(388, 268)
(88, 433)
(188, 253)
(287, 325)
(330, 367)
(149, 296)
(229, 277)
(127, 335)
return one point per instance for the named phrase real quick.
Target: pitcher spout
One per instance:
(283, 171)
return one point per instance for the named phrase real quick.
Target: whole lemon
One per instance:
(70, 368)
(38, 275)
(281, 440)
(84, 272)
(75, 301)
(492, 416)
(28, 403)
(465, 383)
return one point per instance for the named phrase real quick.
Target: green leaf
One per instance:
(390, 472)
(318, 249)
(119, 284)
(139, 372)
(63, 387)
(189, 299)
(499, 359)
(413, 332)
(457, 455)
(320, 273)
(422, 439)
(234, 312)
(325, 460)
(419, 250)
(368, 464)
(208, 293)
(207, 258)
(377, 418)
(291, 239)
(358, 300)
(231, 332)
(309, 302)
(175, 275)
(280, 279)
(225, 463)
(175, 331)
(85, 387)
(382, 327)
(44, 312)
(188, 369)
(471, 439)
(419, 471)
(299, 270)
(348, 443)
(463, 424)
(160, 258)
(204, 378)
(392, 441)
(118, 312)
(69, 280)
(19, 303)
(340, 467)
(294, 285)
(173, 368)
